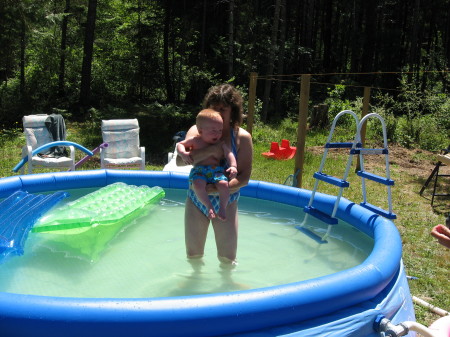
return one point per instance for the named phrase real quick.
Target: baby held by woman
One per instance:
(210, 170)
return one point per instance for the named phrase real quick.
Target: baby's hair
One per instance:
(207, 115)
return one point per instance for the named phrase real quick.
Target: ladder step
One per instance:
(320, 215)
(374, 177)
(331, 180)
(338, 145)
(369, 151)
(379, 210)
(311, 234)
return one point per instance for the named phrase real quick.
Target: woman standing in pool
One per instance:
(228, 102)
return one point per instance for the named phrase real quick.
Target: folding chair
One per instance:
(443, 159)
(172, 156)
(40, 130)
(122, 136)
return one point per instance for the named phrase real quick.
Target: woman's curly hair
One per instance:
(228, 95)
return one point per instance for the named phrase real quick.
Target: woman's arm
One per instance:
(231, 160)
(244, 161)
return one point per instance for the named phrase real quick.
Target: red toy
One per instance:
(283, 152)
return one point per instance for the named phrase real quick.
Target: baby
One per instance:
(210, 170)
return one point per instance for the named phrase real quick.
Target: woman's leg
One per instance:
(195, 229)
(226, 234)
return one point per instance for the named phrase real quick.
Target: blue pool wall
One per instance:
(346, 302)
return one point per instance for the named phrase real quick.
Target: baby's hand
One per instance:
(232, 172)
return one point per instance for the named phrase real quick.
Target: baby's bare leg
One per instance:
(199, 186)
(224, 196)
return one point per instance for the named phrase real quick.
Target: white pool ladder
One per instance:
(330, 219)
(356, 148)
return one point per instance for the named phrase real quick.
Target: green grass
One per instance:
(422, 256)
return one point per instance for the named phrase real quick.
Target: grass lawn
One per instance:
(423, 257)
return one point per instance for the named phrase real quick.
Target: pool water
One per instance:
(147, 258)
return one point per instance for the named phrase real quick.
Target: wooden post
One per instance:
(365, 111)
(251, 101)
(302, 127)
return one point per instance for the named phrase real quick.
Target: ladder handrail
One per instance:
(330, 135)
(322, 164)
(386, 156)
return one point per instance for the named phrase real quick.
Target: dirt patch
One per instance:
(415, 162)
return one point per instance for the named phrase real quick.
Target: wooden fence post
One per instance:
(365, 111)
(302, 127)
(251, 101)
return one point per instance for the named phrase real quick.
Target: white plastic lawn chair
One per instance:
(172, 156)
(37, 135)
(122, 136)
(172, 163)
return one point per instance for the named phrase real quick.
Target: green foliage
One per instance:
(159, 123)
(416, 118)
(10, 135)
(265, 133)
(143, 50)
(9, 107)
(336, 102)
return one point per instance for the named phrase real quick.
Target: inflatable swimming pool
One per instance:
(345, 303)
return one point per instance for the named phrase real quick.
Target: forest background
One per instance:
(95, 59)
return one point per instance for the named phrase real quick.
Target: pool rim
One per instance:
(211, 314)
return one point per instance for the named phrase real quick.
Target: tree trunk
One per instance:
(327, 25)
(62, 60)
(140, 77)
(230, 39)
(430, 46)
(271, 60)
(22, 55)
(167, 74)
(86, 69)
(369, 41)
(298, 32)
(319, 117)
(414, 47)
(280, 70)
(203, 36)
(306, 16)
(355, 55)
